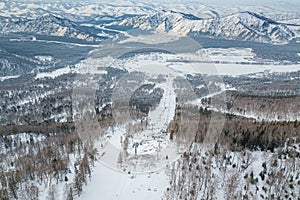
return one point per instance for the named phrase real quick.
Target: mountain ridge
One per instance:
(242, 25)
(66, 20)
(47, 24)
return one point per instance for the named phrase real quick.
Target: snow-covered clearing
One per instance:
(8, 77)
(54, 73)
(109, 184)
(228, 63)
(230, 54)
(93, 66)
(233, 69)
(44, 58)
(142, 175)
(86, 66)
(34, 39)
(181, 64)
(67, 43)
(155, 38)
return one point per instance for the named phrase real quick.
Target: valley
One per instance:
(148, 100)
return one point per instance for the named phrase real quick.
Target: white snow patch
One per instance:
(8, 77)
(44, 58)
(229, 55)
(55, 73)
(233, 69)
(109, 184)
(155, 38)
(24, 137)
(180, 64)
(93, 66)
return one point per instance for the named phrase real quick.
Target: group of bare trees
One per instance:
(228, 169)
(47, 162)
(279, 108)
(83, 171)
(207, 172)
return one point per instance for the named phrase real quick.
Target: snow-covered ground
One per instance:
(93, 66)
(113, 185)
(140, 176)
(219, 69)
(44, 58)
(234, 168)
(54, 73)
(212, 61)
(67, 43)
(203, 63)
(21, 138)
(8, 77)
(155, 38)
(90, 65)
(230, 55)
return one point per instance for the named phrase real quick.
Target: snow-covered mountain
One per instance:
(242, 26)
(46, 24)
(203, 9)
(251, 23)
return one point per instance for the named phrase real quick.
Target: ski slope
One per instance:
(141, 176)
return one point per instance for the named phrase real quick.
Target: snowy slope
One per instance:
(46, 24)
(205, 9)
(251, 23)
(242, 25)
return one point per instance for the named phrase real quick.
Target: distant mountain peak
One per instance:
(244, 25)
(47, 24)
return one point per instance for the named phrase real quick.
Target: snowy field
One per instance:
(232, 62)
(110, 184)
(54, 73)
(211, 61)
